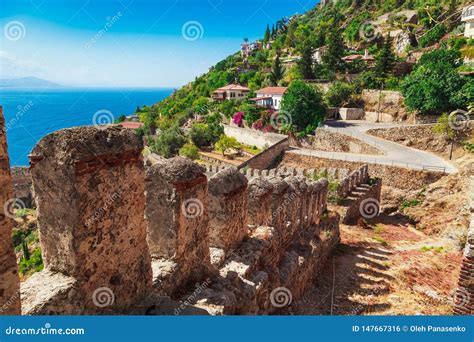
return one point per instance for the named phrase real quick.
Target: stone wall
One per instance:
(267, 158)
(9, 282)
(464, 299)
(328, 140)
(398, 177)
(178, 222)
(118, 239)
(89, 186)
(253, 137)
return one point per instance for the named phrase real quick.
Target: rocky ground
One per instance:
(407, 261)
(384, 268)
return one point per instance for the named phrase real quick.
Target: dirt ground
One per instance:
(384, 268)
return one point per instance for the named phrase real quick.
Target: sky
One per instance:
(129, 43)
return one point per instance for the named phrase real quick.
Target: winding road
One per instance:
(393, 153)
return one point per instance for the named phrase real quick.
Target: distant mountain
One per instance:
(27, 82)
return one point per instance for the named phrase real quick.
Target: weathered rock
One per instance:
(9, 282)
(89, 185)
(259, 202)
(227, 209)
(177, 217)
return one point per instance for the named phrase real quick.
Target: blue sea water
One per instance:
(30, 114)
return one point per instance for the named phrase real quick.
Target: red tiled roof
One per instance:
(272, 90)
(233, 87)
(131, 124)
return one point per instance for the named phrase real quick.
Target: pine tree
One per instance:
(335, 50)
(385, 58)
(277, 71)
(266, 37)
(305, 64)
(273, 31)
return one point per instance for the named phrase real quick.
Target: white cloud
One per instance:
(12, 66)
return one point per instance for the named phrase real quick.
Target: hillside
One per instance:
(27, 82)
(379, 45)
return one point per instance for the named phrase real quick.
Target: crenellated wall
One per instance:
(9, 282)
(118, 236)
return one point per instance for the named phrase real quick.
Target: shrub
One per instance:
(339, 94)
(168, 143)
(433, 36)
(202, 134)
(303, 104)
(190, 151)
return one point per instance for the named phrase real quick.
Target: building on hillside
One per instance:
(131, 124)
(269, 97)
(247, 48)
(369, 59)
(318, 54)
(230, 92)
(468, 18)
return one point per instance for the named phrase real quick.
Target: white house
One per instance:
(247, 48)
(468, 17)
(270, 97)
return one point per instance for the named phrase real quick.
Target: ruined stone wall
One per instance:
(9, 282)
(464, 299)
(89, 185)
(178, 222)
(363, 202)
(116, 238)
(398, 177)
(253, 137)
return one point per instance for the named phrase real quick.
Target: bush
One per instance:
(168, 143)
(433, 36)
(339, 94)
(303, 105)
(202, 134)
(190, 151)
(435, 86)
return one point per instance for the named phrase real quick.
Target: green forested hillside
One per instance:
(391, 31)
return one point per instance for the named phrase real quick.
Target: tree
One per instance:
(168, 143)
(266, 37)
(202, 134)
(305, 64)
(226, 143)
(435, 86)
(277, 71)
(190, 151)
(335, 50)
(385, 58)
(303, 105)
(339, 94)
(443, 128)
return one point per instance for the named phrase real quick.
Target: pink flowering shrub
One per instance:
(238, 118)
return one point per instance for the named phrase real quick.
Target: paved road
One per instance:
(393, 153)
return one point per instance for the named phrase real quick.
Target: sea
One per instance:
(31, 114)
